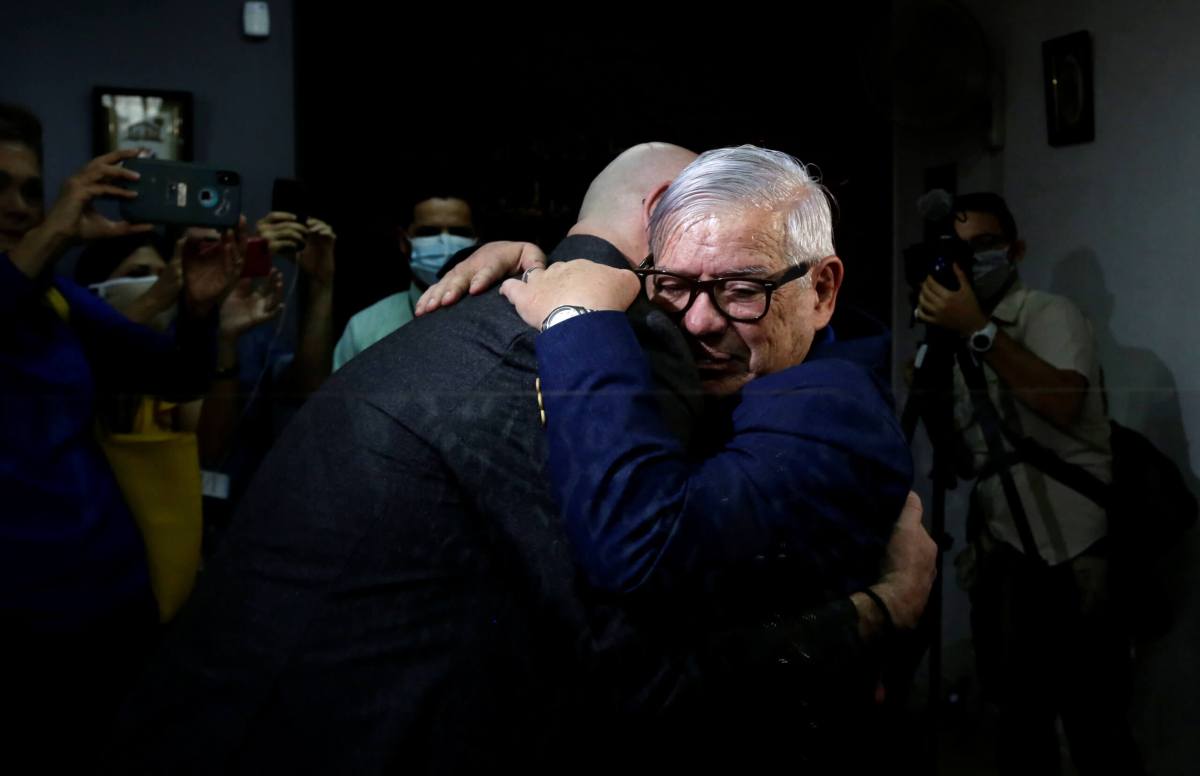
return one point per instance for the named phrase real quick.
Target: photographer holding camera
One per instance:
(1036, 566)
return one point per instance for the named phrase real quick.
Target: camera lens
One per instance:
(208, 198)
(228, 178)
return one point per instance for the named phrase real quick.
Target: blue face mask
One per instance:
(990, 272)
(430, 253)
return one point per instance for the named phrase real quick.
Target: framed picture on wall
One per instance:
(158, 121)
(1070, 110)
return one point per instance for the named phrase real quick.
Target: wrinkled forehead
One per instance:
(725, 241)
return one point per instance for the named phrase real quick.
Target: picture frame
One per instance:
(156, 120)
(1070, 102)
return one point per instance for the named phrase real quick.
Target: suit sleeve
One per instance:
(808, 468)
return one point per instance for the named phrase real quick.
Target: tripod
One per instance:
(931, 402)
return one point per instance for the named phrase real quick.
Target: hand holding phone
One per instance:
(283, 234)
(182, 194)
(75, 215)
(291, 196)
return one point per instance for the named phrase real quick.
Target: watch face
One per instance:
(560, 314)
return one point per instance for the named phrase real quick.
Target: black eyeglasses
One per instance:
(740, 299)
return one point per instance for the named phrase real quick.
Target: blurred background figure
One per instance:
(265, 373)
(75, 598)
(442, 232)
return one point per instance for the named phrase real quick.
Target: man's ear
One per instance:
(1017, 251)
(403, 242)
(649, 203)
(827, 278)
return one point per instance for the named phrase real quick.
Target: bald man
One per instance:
(396, 593)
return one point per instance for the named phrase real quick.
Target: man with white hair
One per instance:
(804, 458)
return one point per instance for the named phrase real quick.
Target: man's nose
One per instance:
(703, 318)
(14, 206)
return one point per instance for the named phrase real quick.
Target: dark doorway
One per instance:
(521, 122)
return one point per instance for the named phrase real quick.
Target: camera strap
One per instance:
(989, 422)
(1048, 462)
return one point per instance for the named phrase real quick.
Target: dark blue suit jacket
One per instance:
(808, 463)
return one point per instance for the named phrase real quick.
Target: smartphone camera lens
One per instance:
(227, 178)
(208, 198)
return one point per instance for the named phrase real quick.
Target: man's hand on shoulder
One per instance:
(491, 262)
(580, 282)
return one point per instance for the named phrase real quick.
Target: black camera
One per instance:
(936, 258)
(228, 178)
(942, 248)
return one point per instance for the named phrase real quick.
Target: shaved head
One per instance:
(616, 203)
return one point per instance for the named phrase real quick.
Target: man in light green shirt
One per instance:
(441, 227)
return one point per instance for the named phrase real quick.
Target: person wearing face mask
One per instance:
(1045, 634)
(441, 228)
(131, 274)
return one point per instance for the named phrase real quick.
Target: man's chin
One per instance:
(722, 382)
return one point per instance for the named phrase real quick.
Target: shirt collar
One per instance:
(1009, 308)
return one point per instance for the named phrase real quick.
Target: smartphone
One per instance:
(182, 194)
(291, 196)
(258, 258)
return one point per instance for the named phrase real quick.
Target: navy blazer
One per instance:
(808, 463)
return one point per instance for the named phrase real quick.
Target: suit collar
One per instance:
(587, 246)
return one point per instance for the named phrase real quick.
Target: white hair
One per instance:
(748, 178)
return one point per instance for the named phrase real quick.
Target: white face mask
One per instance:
(430, 253)
(122, 292)
(991, 272)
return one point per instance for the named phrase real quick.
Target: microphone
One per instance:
(935, 204)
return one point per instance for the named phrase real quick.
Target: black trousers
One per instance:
(1048, 645)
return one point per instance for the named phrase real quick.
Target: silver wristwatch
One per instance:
(562, 313)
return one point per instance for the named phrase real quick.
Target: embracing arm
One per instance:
(807, 469)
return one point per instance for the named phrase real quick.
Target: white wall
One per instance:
(1111, 224)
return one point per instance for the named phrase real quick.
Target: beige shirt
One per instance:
(1063, 521)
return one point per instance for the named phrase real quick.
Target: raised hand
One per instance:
(249, 305)
(284, 234)
(211, 266)
(74, 216)
(317, 258)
